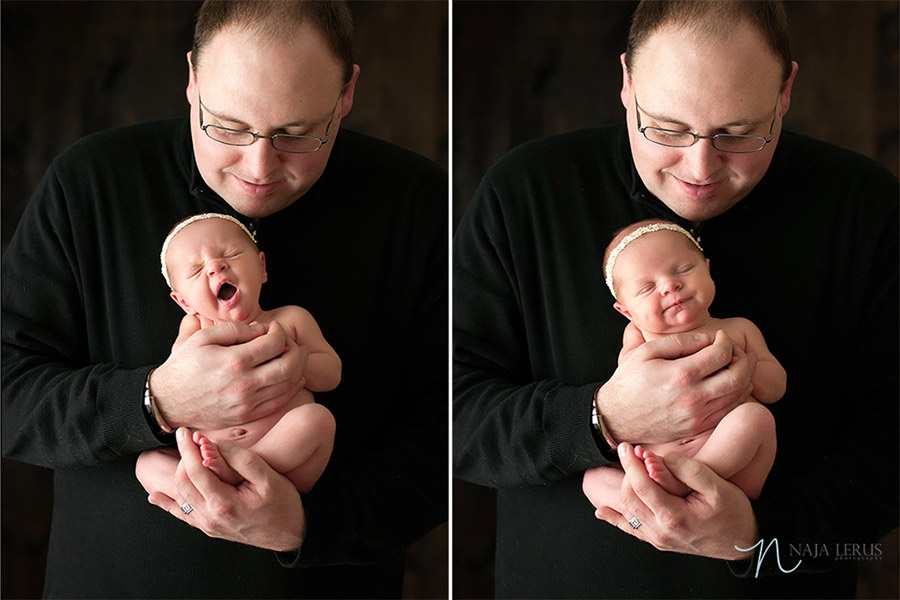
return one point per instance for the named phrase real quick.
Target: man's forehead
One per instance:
(691, 79)
(240, 54)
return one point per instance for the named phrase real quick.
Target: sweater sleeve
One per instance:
(510, 428)
(59, 409)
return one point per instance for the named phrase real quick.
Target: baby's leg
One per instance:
(213, 460)
(602, 485)
(300, 444)
(742, 447)
(155, 469)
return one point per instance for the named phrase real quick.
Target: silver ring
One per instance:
(633, 521)
(187, 508)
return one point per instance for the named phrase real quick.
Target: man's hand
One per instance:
(710, 521)
(675, 387)
(227, 374)
(265, 510)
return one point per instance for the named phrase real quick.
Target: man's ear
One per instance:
(189, 91)
(625, 92)
(348, 91)
(621, 308)
(181, 302)
(786, 88)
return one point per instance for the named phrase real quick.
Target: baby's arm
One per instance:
(631, 339)
(323, 369)
(769, 380)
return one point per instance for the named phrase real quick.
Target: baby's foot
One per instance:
(213, 460)
(660, 473)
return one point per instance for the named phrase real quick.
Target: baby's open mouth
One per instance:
(226, 292)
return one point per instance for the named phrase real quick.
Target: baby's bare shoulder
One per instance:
(294, 319)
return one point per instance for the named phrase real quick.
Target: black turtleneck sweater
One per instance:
(810, 256)
(86, 314)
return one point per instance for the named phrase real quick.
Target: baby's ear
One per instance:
(622, 309)
(182, 303)
(262, 259)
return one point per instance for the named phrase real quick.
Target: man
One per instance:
(802, 239)
(354, 230)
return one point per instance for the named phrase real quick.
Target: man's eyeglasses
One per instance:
(724, 142)
(298, 144)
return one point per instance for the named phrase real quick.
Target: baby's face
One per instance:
(216, 271)
(663, 283)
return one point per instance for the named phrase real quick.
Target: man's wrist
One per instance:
(154, 417)
(602, 437)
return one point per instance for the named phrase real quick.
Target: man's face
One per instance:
(682, 83)
(268, 88)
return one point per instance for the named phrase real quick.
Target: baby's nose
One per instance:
(669, 285)
(215, 266)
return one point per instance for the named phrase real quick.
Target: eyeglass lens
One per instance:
(723, 142)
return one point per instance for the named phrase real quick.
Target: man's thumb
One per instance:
(247, 463)
(676, 346)
(692, 473)
(230, 334)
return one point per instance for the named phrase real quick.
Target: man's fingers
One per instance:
(248, 464)
(231, 334)
(198, 482)
(709, 360)
(692, 473)
(648, 497)
(167, 504)
(674, 346)
(263, 348)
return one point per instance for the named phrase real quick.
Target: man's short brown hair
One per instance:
(278, 19)
(712, 18)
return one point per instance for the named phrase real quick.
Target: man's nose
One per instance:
(702, 160)
(261, 159)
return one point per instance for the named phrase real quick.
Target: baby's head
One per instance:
(214, 268)
(659, 277)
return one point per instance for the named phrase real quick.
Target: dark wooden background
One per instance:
(71, 68)
(523, 70)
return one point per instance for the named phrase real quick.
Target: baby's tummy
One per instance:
(685, 447)
(247, 434)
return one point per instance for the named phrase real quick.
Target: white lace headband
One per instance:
(181, 225)
(611, 261)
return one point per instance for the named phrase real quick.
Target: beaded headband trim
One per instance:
(611, 262)
(181, 225)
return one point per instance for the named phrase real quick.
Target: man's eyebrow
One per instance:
(232, 119)
(662, 118)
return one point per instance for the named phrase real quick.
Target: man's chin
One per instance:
(257, 207)
(696, 210)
